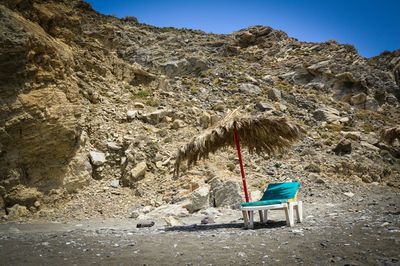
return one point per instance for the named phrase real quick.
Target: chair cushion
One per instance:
(281, 191)
(262, 203)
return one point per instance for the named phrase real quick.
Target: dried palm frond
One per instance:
(259, 134)
(390, 135)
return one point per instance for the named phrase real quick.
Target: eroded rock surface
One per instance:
(74, 82)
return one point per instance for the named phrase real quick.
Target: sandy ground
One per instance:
(359, 230)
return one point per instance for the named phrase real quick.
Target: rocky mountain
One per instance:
(88, 100)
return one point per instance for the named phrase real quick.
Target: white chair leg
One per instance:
(299, 212)
(265, 216)
(287, 215)
(260, 212)
(290, 214)
(245, 219)
(251, 219)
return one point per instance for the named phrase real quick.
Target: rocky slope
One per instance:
(93, 109)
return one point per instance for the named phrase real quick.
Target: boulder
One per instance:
(268, 79)
(326, 114)
(22, 196)
(79, 172)
(358, 99)
(177, 124)
(368, 146)
(249, 88)
(97, 158)
(245, 38)
(274, 95)
(263, 106)
(163, 84)
(192, 65)
(138, 172)
(366, 179)
(343, 147)
(354, 135)
(199, 199)
(113, 146)
(155, 117)
(18, 211)
(174, 68)
(318, 67)
(114, 183)
(40, 102)
(371, 105)
(225, 194)
(131, 114)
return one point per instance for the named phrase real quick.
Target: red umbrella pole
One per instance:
(236, 136)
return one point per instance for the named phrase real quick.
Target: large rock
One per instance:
(131, 114)
(177, 124)
(181, 67)
(358, 99)
(113, 146)
(39, 129)
(343, 147)
(245, 38)
(258, 35)
(17, 211)
(326, 114)
(371, 104)
(138, 172)
(97, 158)
(274, 95)
(354, 135)
(249, 88)
(225, 194)
(23, 196)
(263, 106)
(199, 199)
(156, 116)
(79, 172)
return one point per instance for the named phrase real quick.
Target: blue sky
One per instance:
(372, 26)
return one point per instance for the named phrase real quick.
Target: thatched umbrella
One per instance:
(260, 134)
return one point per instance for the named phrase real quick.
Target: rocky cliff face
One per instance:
(86, 98)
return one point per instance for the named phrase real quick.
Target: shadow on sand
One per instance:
(216, 226)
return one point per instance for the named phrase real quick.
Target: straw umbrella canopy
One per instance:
(259, 134)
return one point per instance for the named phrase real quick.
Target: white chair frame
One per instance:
(288, 207)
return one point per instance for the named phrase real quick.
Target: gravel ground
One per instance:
(360, 230)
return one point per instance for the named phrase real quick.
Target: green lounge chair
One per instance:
(278, 196)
